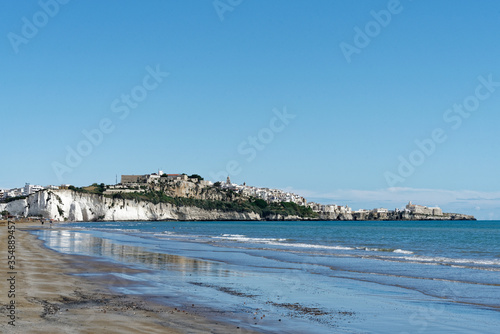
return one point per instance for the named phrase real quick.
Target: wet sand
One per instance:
(50, 297)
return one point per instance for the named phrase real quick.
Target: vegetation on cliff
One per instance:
(92, 189)
(241, 205)
(12, 199)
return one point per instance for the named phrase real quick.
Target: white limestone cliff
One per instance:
(69, 205)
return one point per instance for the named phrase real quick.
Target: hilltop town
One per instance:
(182, 190)
(179, 180)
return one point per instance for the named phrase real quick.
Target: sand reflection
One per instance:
(85, 244)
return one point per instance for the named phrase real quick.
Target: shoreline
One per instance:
(53, 296)
(275, 220)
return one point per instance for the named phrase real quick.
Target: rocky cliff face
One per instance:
(69, 205)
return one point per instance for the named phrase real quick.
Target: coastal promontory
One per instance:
(190, 198)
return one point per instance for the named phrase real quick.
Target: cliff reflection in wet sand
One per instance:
(86, 244)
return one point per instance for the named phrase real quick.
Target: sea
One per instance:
(305, 277)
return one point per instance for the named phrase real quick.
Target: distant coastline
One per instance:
(161, 196)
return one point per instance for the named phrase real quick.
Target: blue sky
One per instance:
(232, 68)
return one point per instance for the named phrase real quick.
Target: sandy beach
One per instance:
(50, 297)
(142, 277)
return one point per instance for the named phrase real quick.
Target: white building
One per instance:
(420, 209)
(31, 189)
(268, 195)
(362, 211)
(345, 209)
(16, 192)
(330, 208)
(380, 210)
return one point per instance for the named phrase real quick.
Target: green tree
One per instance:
(196, 176)
(260, 203)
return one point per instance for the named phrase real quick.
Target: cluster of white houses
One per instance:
(329, 208)
(27, 190)
(267, 194)
(410, 208)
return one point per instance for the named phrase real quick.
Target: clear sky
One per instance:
(325, 98)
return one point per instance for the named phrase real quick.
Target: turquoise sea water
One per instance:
(309, 277)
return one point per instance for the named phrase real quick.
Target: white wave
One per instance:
(368, 249)
(316, 246)
(276, 242)
(119, 229)
(445, 260)
(402, 251)
(388, 250)
(167, 235)
(243, 238)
